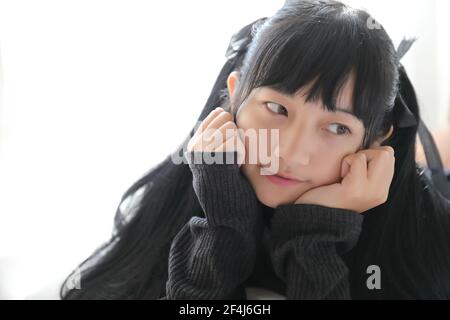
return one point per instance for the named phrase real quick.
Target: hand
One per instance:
(367, 176)
(217, 133)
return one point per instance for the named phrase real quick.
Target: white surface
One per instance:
(94, 94)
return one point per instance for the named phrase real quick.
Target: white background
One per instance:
(95, 93)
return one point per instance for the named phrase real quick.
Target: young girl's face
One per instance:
(312, 141)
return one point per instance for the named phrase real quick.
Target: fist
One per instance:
(366, 179)
(218, 133)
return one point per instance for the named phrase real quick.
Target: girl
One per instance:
(356, 218)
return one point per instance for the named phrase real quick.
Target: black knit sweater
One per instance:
(294, 249)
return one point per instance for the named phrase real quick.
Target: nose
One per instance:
(295, 146)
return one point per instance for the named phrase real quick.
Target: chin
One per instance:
(272, 203)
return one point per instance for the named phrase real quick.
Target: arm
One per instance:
(307, 244)
(210, 257)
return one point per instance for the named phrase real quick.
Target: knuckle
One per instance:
(362, 157)
(229, 123)
(389, 150)
(227, 116)
(385, 153)
(228, 127)
(208, 131)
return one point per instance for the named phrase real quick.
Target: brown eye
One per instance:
(341, 129)
(276, 108)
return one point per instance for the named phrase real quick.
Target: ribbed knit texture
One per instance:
(307, 243)
(211, 257)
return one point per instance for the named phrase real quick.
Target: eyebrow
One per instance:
(292, 96)
(346, 111)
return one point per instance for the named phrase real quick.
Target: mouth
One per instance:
(282, 181)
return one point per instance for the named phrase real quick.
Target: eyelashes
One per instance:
(279, 108)
(347, 130)
(273, 103)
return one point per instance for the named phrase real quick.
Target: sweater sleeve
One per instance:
(306, 247)
(212, 256)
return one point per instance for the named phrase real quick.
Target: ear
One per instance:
(379, 141)
(231, 83)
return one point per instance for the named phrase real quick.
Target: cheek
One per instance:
(328, 166)
(254, 114)
(250, 119)
(243, 117)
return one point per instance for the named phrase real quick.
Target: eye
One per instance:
(276, 108)
(341, 129)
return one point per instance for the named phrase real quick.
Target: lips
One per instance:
(282, 175)
(281, 179)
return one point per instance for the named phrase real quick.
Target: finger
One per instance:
(390, 150)
(234, 144)
(347, 163)
(220, 135)
(374, 152)
(220, 119)
(228, 146)
(215, 124)
(358, 169)
(380, 163)
(380, 172)
(345, 167)
(371, 154)
(211, 116)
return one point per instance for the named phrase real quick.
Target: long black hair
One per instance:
(324, 41)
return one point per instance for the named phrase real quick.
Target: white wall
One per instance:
(428, 61)
(97, 92)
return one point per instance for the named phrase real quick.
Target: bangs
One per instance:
(323, 49)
